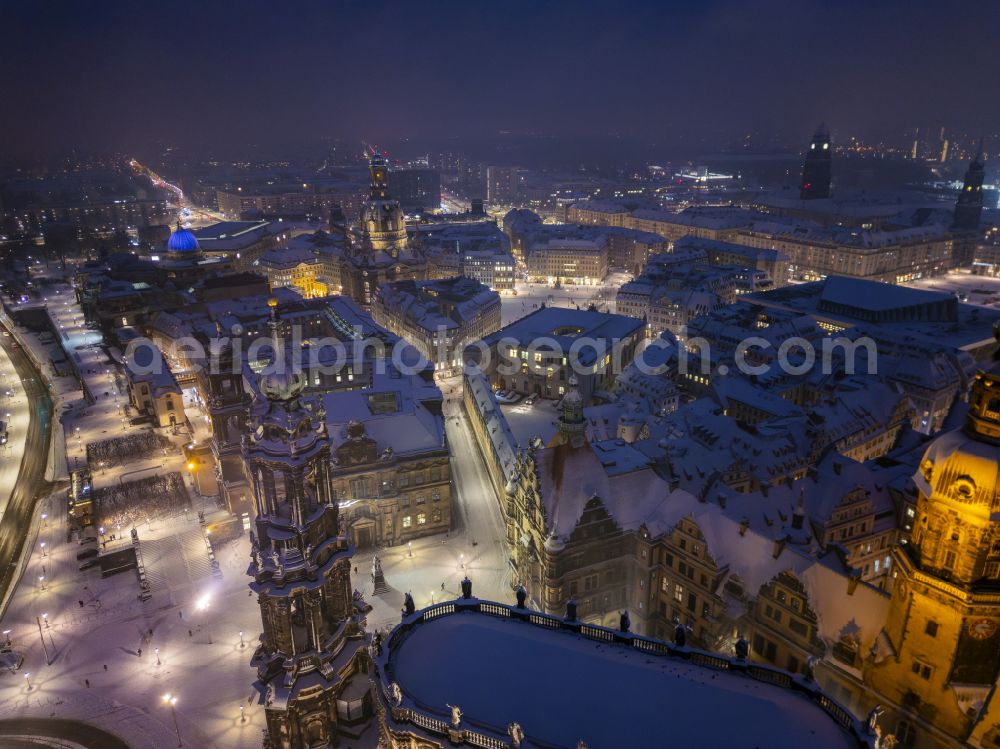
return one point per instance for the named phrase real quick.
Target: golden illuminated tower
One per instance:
(944, 617)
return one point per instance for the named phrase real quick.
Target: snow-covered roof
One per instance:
(409, 428)
(565, 325)
(561, 686)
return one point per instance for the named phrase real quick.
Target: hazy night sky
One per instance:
(121, 74)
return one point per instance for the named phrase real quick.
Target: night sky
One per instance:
(121, 74)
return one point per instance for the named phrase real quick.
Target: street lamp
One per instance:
(169, 699)
(157, 651)
(461, 558)
(242, 644)
(6, 635)
(27, 680)
(42, 546)
(409, 548)
(41, 581)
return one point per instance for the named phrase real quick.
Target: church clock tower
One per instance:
(311, 661)
(817, 167)
(969, 206)
(944, 621)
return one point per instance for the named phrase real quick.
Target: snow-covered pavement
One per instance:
(530, 296)
(433, 568)
(75, 627)
(981, 290)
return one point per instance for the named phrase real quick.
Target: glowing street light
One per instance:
(42, 546)
(170, 699)
(157, 651)
(242, 643)
(409, 548)
(27, 680)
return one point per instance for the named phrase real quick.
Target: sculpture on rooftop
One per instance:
(456, 716)
(516, 735)
(376, 566)
(680, 634)
(408, 606)
(522, 596)
(571, 610)
(466, 587)
(397, 694)
(624, 622)
(871, 723)
(811, 664)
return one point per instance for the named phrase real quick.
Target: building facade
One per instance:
(439, 317)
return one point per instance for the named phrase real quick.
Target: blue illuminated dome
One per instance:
(182, 240)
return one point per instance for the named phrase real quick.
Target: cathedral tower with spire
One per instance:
(817, 168)
(311, 662)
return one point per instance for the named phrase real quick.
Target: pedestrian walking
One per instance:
(87, 682)
(105, 666)
(190, 633)
(140, 652)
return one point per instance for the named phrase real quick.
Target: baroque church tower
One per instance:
(311, 662)
(382, 222)
(943, 628)
(380, 252)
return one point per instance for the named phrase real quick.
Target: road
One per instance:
(31, 482)
(479, 514)
(39, 729)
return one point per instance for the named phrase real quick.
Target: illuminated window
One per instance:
(407, 521)
(421, 518)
